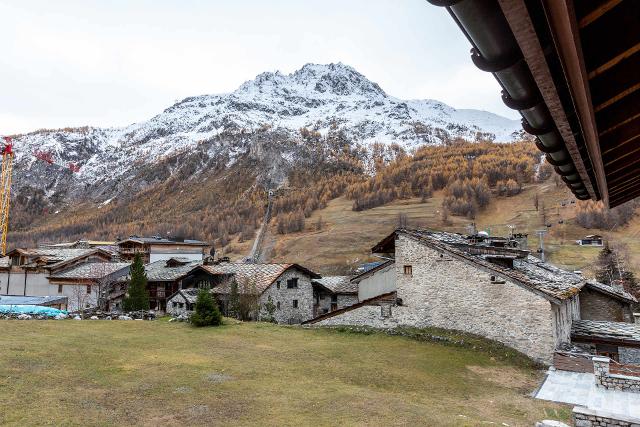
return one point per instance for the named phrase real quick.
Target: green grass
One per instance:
(159, 373)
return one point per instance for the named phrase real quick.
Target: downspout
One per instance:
(496, 50)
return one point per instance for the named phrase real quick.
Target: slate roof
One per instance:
(338, 284)
(32, 300)
(159, 271)
(260, 275)
(190, 294)
(91, 270)
(611, 290)
(55, 257)
(54, 253)
(614, 332)
(527, 270)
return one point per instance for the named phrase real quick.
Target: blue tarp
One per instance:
(31, 309)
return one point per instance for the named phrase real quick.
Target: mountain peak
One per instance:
(314, 80)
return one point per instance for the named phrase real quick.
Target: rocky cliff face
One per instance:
(262, 120)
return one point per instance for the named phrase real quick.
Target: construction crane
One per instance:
(5, 190)
(5, 183)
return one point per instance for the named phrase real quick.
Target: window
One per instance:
(334, 298)
(295, 303)
(88, 289)
(175, 304)
(60, 289)
(278, 284)
(278, 305)
(181, 304)
(408, 270)
(292, 283)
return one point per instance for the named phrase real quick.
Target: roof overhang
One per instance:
(573, 73)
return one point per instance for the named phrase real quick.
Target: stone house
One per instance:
(83, 283)
(619, 341)
(288, 286)
(458, 282)
(28, 271)
(606, 303)
(182, 302)
(333, 293)
(164, 278)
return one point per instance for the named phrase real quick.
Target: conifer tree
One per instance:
(206, 312)
(137, 297)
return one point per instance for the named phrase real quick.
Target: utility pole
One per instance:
(541, 234)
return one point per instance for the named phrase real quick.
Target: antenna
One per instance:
(541, 234)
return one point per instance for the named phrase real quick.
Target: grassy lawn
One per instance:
(160, 373)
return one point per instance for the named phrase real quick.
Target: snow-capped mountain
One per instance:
(319, 98)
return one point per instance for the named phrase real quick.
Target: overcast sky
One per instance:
(112, 63)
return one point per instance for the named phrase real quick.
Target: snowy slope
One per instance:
(316, 97)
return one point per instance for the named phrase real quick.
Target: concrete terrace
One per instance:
(580, 389)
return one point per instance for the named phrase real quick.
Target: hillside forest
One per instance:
(228, 203)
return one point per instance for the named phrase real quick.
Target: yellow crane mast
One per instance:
(5, 190)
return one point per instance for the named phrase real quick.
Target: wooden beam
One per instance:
(625, 197)
(617, 98)
(615, 61)
(620, 144)
(617, 125)
(564, 30)
(625, 183)
(598, 12)
(517, 15)
(615, 179)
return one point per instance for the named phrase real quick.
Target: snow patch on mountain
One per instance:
(316, 97)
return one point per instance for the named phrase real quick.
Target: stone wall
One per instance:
(446, 292)
(612, 381)
(368, 315)
(583, 417)
(287, 313)
(178, 310)
(449, 293)
(346, 300)
(596, 306)
(629, 355)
